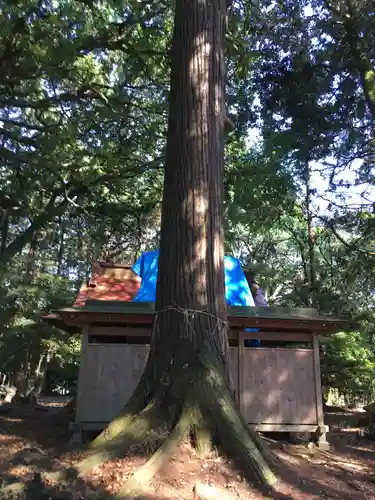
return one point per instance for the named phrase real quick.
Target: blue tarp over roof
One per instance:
(237, 289)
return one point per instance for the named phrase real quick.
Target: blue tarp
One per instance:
(237, 289)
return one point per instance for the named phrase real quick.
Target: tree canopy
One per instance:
(83, 118)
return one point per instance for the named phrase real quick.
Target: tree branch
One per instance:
(348, 245)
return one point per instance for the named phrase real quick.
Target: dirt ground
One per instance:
(34, 443)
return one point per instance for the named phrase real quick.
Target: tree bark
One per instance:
(186, 383)
(61, 249)
(4, 228)
(191, 262)
(51, 210)
(310, 238)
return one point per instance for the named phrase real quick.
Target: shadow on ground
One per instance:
(34, 448)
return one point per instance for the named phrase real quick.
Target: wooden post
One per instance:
(322, 429)
(241, 348)
(77, 430)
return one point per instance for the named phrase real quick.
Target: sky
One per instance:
(353, 196)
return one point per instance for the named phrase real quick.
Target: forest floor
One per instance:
(33, 442)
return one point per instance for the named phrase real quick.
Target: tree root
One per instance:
(141, 400)
(203, 439)
(126, 417)
(236, 437)
(202, 433)
(135, 429)
(237, 441)
(144, 475)
(208, 408)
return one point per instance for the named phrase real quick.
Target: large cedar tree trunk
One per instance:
(186, 384)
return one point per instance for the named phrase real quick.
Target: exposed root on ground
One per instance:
(125, 419)
(202, 439)
(195, 398)
(237, 439)
(135, 430)
(144, 475)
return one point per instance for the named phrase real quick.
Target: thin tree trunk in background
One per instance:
(40, 374)
(138, 246)
(22, 375)
(304, 261)
(4, 228)
(60, 254)
(80, 253)
(25, 238)
(310, 238)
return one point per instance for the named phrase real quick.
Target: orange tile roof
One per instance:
(109, 282)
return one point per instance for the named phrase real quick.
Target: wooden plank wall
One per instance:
(110, 373)
(279, 386)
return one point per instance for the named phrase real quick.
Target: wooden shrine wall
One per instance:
(273, 385)
(278, 386)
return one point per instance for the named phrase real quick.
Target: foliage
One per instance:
(349, 366)
(82, 142)
(82, 116)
